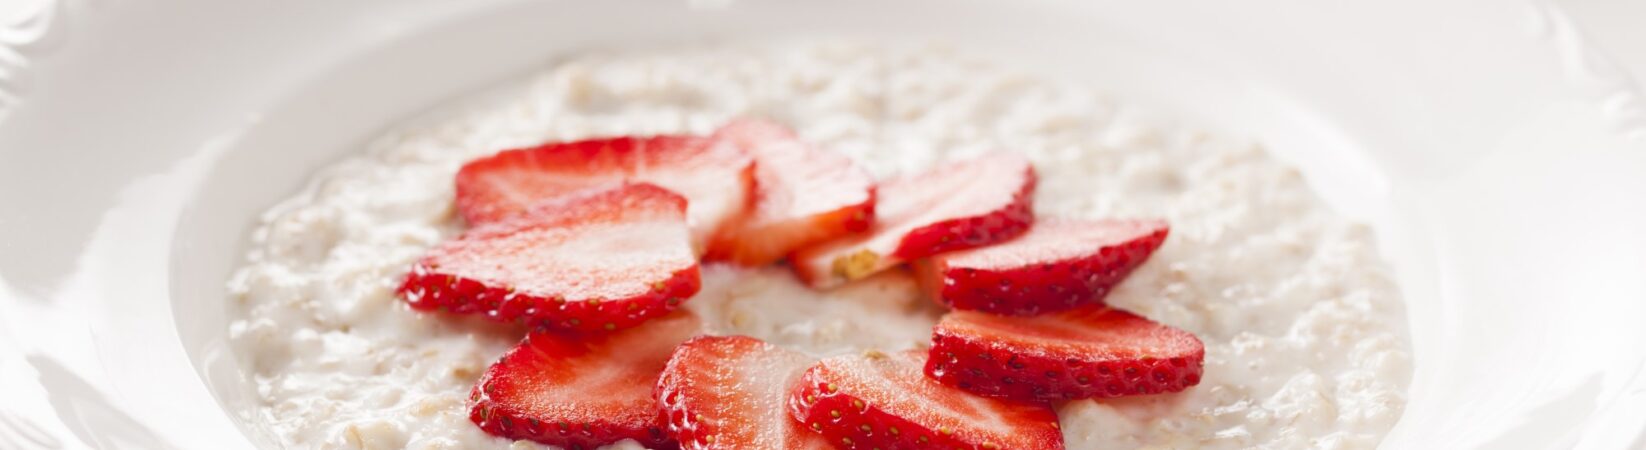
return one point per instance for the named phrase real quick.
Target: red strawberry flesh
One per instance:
(715, 179)
(1057, 265)
(883, 401)
(956, 206)
(592, 261)
(581, 391)
(1091, 351)
(803, 195)
(728, 392)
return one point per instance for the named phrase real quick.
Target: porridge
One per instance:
(1304, 335)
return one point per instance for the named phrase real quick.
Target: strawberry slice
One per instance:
(728, 392)
(596, 260)
(581, 392)
(1091, 351)
(803, 196)
(1057, 265)
(715, 179)
(882, 401)
(956, 206)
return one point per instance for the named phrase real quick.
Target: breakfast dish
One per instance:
(768, 235)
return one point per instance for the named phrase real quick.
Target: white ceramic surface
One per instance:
(1493, 150)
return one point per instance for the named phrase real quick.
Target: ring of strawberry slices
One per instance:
(597, 243)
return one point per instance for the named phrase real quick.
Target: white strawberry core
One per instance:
(1052, 240)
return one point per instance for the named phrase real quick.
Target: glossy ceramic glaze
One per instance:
(1496, 155)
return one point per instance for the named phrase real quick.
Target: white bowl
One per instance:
(1499, 159)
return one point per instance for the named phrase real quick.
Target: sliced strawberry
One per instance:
(1091, 351)
(581, 392)
(952, 207)
(728, 392)
(803, 195)
(715, 179)
(882, 401)
(596, 260)
(1057, 265)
